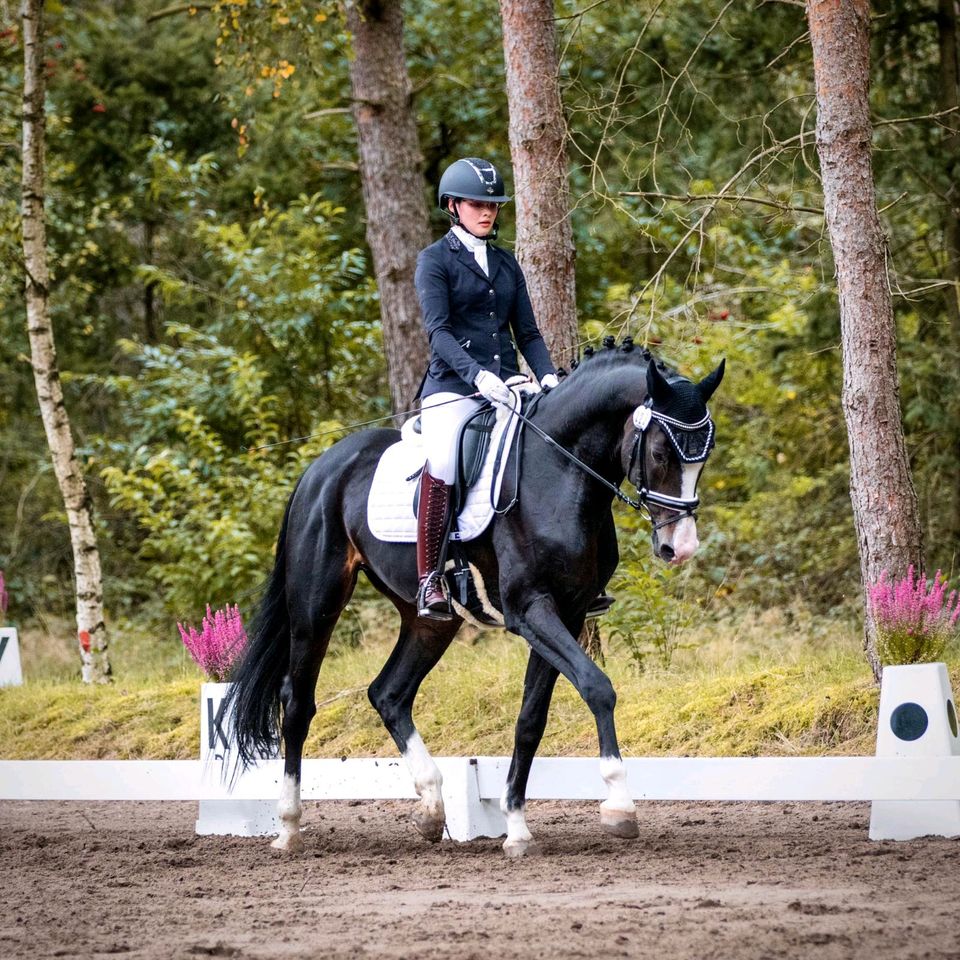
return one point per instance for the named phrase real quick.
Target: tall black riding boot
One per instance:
(431, 526)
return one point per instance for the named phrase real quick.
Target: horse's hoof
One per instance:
(429, 825)
(514, 849)
(289, 843)
(620, 823)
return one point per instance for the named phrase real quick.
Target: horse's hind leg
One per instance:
(312, 620)
(419, 647)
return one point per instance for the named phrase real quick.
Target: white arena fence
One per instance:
(913, 783)
(472, 786)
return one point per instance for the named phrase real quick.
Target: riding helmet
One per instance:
(471, 179)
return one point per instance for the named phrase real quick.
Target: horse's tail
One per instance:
(253, 703)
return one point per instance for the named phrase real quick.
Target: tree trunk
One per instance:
(91, 631)
(390, 161)
(884, 501)
(541, 186)
(950, 99)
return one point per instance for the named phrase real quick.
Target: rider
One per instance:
(476, 312)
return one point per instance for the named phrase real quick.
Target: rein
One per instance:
(645, 497)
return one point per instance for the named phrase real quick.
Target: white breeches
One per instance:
(439, 427)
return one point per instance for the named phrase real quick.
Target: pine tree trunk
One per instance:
(541, 182)
(541, 189)
(949, 37)
(91, 631)
(390, 170)
(884, 501)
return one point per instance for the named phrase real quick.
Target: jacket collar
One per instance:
(466, 257)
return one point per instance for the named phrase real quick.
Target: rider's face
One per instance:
(478, 216)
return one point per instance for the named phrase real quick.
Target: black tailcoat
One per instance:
(469, 317)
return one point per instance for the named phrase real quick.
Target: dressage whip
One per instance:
(353, 426)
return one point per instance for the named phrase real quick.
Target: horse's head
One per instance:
(666, 442)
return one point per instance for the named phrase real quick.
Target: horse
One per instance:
(618, 414)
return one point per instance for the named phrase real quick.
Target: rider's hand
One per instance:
(549, 381)
(492, 387)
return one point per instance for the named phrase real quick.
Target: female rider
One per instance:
(475, 309)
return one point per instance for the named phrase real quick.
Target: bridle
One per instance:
(642, 417)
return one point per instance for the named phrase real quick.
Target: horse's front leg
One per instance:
(538, 686)
(541, 625)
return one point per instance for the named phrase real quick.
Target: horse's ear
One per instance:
(711, 381)
(658, 390)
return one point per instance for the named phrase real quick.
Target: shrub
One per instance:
(219, 642)
(914, 619)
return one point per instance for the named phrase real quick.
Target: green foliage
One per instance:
(208, 510)
(211, 291)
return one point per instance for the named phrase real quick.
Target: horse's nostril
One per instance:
(666, 552)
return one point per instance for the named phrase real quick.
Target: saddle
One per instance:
(473, 443)
(484, 443)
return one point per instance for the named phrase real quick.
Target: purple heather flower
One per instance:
(914, 618)
(219, 642)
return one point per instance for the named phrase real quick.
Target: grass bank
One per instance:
(763, 686)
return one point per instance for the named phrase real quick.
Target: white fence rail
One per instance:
(552, 778)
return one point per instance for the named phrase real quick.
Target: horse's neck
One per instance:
(589, 420)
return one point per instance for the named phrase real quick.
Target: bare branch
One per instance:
(325, 112)
(726, 198)
(925, 116)
(580, 13)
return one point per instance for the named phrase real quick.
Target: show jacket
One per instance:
(469, 317)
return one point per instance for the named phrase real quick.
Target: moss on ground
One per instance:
(807, 701)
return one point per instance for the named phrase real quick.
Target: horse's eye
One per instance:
(660, 456)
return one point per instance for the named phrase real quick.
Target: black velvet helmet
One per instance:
(471, 179)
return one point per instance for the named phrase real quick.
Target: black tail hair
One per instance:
(253, 704)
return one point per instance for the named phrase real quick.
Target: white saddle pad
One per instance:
(390, 513)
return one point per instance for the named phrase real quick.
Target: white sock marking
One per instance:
(517, 831)
(615, 777)
(289, 809)
(427, 778)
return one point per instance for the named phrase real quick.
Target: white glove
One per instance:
(549, 381)
(524, 385)
(492, 387)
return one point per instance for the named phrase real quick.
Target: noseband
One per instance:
(692, 443)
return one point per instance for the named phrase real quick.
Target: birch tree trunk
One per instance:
(541, 182)
(390, 170)
(884, 501)
(91, 630)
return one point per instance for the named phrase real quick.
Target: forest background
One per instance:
(212, 291)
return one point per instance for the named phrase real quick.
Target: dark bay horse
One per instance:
(620, 414)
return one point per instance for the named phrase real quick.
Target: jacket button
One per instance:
(496, 356)
(493, 335)
(491, 293)
(493, 316)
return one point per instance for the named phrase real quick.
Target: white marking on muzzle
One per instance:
(684, 540)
